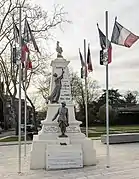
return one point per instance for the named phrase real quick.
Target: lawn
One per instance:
(11, 139)
(114, 128)
(97, 131)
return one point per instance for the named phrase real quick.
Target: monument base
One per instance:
(49, 135)
(39, 151)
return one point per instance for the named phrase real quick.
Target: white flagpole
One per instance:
(19, 114)
(86, 111)
(25, 92)
(107, 93)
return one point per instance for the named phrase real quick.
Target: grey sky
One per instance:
(84, 14)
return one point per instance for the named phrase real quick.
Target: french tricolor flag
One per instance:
(102, 39)
(122, 36)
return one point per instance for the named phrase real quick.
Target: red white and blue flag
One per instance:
(89, 62)
(122, 36)
(102, 39)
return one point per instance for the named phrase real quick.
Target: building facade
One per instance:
(6, 115)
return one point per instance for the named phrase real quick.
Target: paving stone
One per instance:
(124, 164)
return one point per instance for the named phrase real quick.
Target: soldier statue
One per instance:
(62, 119)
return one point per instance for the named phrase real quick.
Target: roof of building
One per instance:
(134, 108)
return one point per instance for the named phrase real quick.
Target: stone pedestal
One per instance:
(48, 136)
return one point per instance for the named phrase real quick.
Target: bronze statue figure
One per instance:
(62, 119)
(59, 50)
(54, 97)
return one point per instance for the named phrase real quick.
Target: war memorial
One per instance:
(60, 144)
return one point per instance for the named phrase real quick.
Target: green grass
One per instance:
(97, 131)
(11, 139)
(94, 134)
(114, 128)
(98, 134)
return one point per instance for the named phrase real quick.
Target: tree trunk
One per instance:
(13, 114)
(34, 113)
(4, 115)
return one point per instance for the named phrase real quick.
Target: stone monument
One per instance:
(60, 143)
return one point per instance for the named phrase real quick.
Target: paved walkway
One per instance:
(124, 164)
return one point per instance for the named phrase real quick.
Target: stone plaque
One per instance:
(73, 129)
(51, 129)
(64, 156)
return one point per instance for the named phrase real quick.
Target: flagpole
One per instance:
(86, 111)
(25, 120)
(107, 93)
(19, 115)
(25, 112)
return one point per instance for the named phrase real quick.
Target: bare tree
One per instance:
(41, 24)
(78, 90)
(44, 86)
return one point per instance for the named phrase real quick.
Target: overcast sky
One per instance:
(84, 14)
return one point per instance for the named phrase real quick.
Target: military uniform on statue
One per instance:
(63, 119)
(60, 143)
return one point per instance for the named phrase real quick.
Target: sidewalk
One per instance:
(124, 164)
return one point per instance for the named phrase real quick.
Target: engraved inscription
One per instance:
(51, 129)
(59, 157)
(73, 129)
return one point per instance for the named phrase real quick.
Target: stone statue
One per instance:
(54, 97)
(59, 50)
(62, 119)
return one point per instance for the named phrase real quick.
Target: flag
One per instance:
(81, 58)
(101, 57)
(25, 53)
(28, 64)
(15, 54)
(122, 36)
(16, 50)
(28, 35)
(25, 48)
(102, 38)
(16, 33)
(89, 63)
(83, 65)
(82, 72)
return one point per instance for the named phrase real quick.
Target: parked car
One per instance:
(30, 130)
